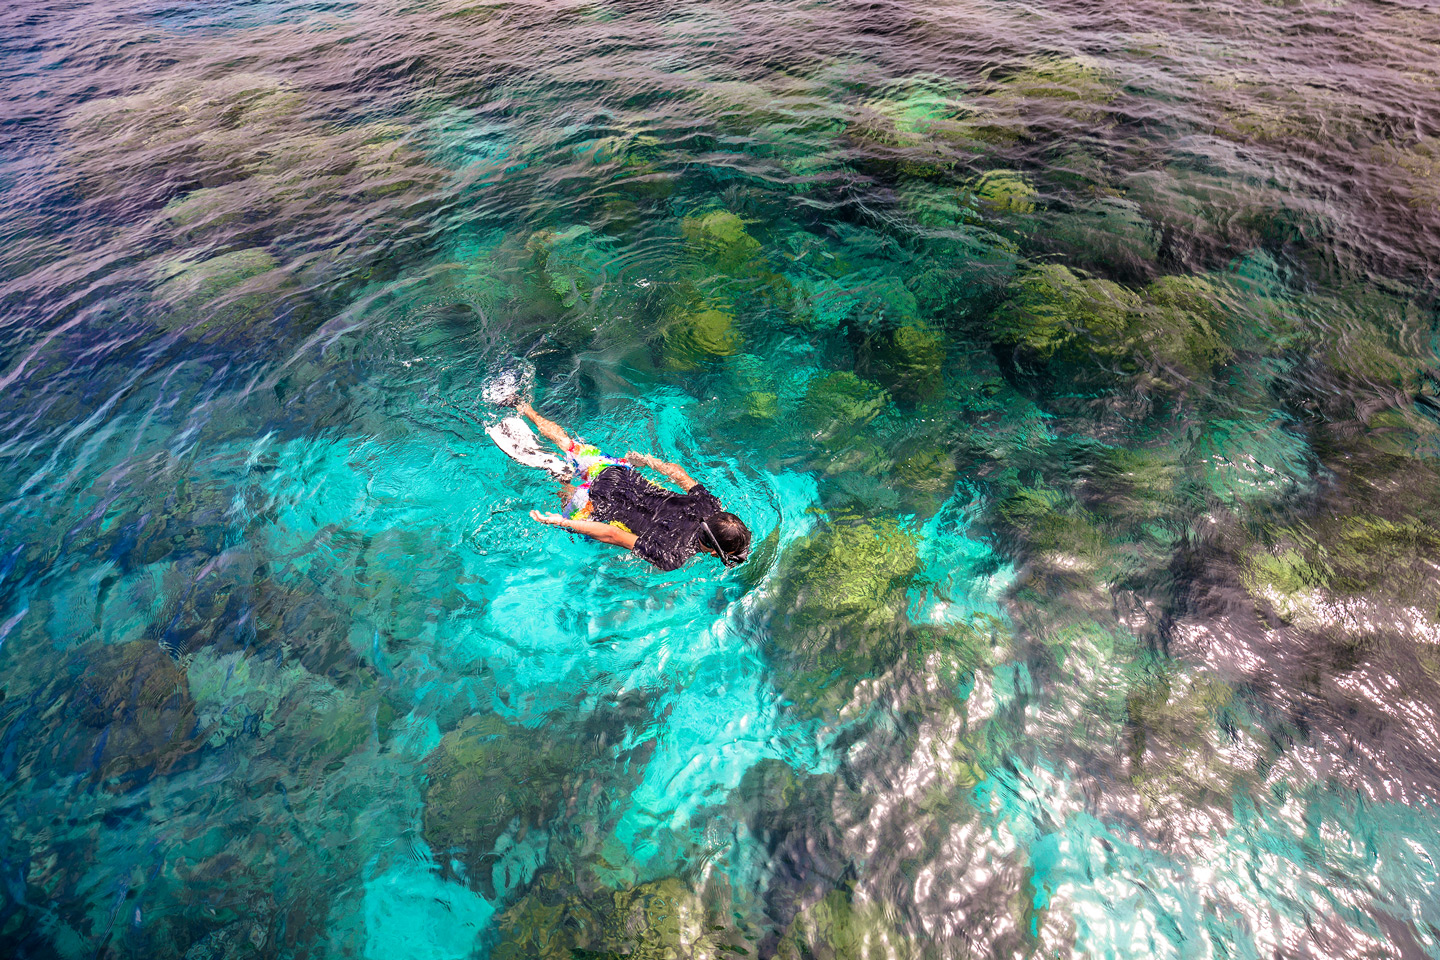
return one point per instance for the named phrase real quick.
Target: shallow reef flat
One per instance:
(1076, 372)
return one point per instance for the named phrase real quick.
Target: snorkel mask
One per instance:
(729, 559)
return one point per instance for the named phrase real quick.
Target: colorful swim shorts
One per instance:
(588, 462)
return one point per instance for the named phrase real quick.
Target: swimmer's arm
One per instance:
(670, 470)
(596, 531)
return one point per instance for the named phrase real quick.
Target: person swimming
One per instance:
(606, 498)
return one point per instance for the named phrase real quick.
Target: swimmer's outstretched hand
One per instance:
(589, 528)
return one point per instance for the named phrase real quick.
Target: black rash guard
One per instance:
(666, 524)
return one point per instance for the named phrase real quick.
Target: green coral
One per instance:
(1053, 525)
(1007, 191)
(925, 473)
(1420, 162)
(719, 237)
(660, 920)
(220, 292)
(486, 777)
(839, 927)
(840, 401)
(1175, 330)
(849, 456)
(843, 588)
(941, 207)
(918, 113)
(761, 405)
(323, 733)
(699, 332)
(907, 360)
(1078, 83)
(1052, 311)
(885, 301)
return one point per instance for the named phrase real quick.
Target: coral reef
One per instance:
(660, 920)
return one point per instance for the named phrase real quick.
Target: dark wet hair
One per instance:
(727, 535)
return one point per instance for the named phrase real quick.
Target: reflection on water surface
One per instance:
(1075, 368)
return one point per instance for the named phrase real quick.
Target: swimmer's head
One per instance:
(727, 537)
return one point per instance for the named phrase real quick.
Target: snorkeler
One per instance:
(608, 500)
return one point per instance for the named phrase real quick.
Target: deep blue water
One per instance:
(1075, 367)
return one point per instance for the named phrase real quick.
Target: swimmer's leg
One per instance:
(548, 428)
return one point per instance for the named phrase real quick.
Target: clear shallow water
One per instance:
(1074, 367)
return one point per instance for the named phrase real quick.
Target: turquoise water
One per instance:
(1075, 368)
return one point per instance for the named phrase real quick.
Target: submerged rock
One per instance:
(1109, 233)
(491, 785)
(235, 693)
(191, 281)
(214, 120)
(1306, 573)
(754, 386)
(793, 815)
(568, 265)
(1176, 748)
(1050, 525)
(1134, 485)
(822, 303)
(243, 938)
(210, 207)
(1375, 342)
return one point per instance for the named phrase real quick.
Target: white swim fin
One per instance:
(510, 385)
(514, 436)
